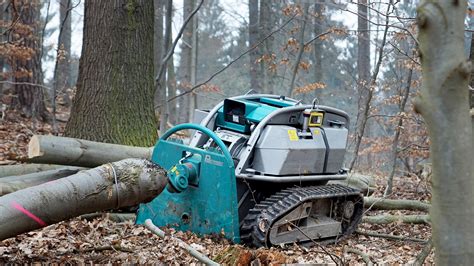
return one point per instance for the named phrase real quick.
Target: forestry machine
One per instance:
(256, 170)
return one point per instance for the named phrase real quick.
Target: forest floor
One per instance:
(104, 241)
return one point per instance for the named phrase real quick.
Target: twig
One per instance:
(170, 52)
(198, 255)
(392, 237)
(103, 248)
(231, 62)
(363, 255)
(420, 259)
(25, 83)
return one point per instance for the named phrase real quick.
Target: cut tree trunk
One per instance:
(362, 182)
(386, 219)
(387, 204)
(13, 183)
(85, 192)
(78, 152)
(23, 169)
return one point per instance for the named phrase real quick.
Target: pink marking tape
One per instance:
(27, 213)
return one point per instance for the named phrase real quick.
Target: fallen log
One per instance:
(78, 152)
(386, 219)
(13, 183)
(391, 237)
(23, 169)
(364, 183)
(111, 186)
(388, 204)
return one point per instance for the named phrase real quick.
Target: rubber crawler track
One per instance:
(281, 203)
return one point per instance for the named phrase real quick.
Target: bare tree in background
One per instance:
(254, 70)
(62, 76)
(28, 71)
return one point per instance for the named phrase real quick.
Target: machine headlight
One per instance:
(316, 119)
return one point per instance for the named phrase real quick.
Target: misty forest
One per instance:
(241, 132)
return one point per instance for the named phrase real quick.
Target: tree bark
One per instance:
(85, 192)
(30, 97)
(254, 69)
(79, 152)
(399, 204)
(23, 169)
(14, 183)
(444, 104)
(386, 219)
(62, 76)
(162, 84)
(158, 44)
(114, 99)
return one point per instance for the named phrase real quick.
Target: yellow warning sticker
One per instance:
(316, 131)
(292, 134)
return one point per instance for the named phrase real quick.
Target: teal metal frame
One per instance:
(208, 206)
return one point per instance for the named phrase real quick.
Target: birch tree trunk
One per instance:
(444, 105)
(85, 192)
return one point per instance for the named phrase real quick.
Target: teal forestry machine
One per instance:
(256, 170)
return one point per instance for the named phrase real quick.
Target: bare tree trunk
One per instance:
(266, 75)
(254, 69)
(114, 99)
(158, 44)
(444, 105)
(85, 192)
(194, 63)
(366, 89)
(396, 138)
(62, 75)
(30, 97)
(171, 83)
(4, 21)
(317, 46)
(300, 48)
(162, 88)
(185, 63)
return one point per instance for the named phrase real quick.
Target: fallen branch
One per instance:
(13, 183)
(114, 217)
(363, 255)
(199, 256)
(111, 186)
(103, 248)
(420, 259)
(386, 219)
(79, 152)
(388, 204)
(23, 169)
(387, 236)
